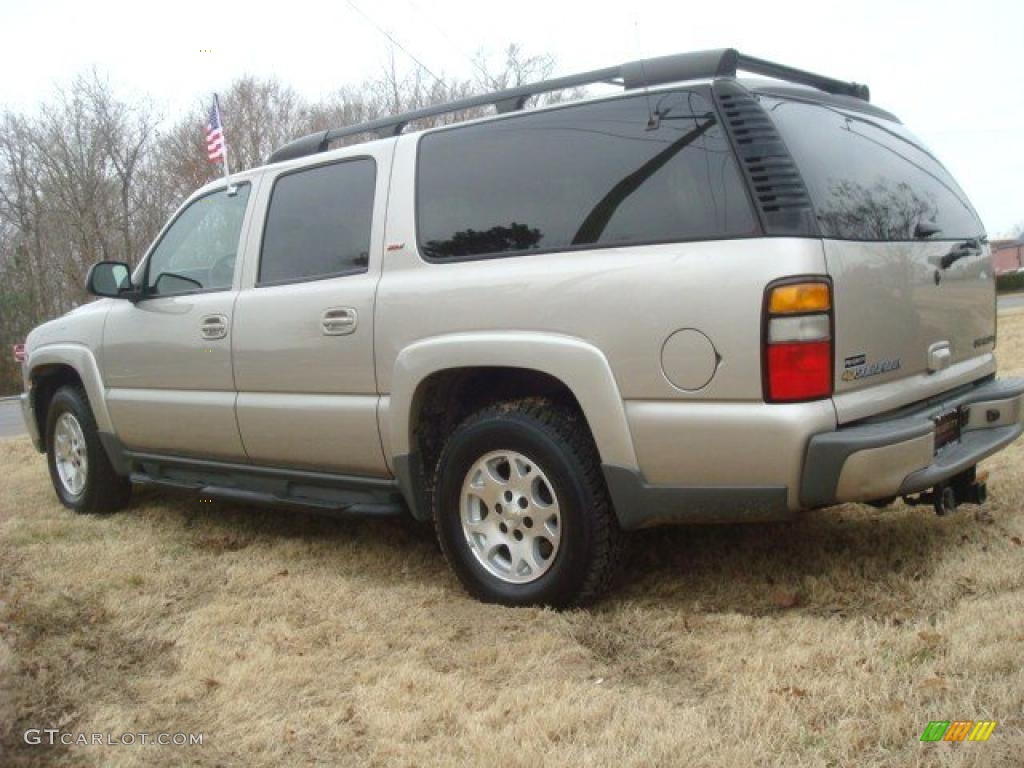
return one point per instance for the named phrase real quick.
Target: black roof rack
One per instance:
(722, 62)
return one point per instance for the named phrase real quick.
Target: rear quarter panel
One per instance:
(626, 301)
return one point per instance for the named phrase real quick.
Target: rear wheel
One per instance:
(521, 508)
(80, 471)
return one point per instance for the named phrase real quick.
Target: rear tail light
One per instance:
(19, 353)
(797, 342)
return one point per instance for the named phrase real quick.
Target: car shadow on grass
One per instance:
(848, 561)
(212, 526)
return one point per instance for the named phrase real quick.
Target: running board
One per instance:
(342, 495)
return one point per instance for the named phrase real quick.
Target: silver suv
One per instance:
(702, 299)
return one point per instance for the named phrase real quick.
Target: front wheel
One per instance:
(521, 508)
(80, 470)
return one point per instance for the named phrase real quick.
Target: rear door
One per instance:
(913, 286)
(303, 327)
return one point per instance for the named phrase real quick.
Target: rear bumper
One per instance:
(895, 456)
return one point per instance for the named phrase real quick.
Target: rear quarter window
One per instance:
(591, 175)
(870, 179)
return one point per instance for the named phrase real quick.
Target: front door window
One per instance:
(198, 251)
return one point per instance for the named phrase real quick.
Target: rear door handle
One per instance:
(338, 321)
(213, 327)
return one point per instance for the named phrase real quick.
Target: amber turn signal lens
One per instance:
(799, 297)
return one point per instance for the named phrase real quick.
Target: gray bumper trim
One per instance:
(27, 413)
(639, 505)
(974, 446)
(828, 452)
(115, 452)
(409, 477)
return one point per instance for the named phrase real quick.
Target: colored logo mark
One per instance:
(958, 730)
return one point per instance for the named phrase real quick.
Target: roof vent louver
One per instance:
(776, 186)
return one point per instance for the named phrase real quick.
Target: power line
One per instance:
(394, 42)
(456, 46)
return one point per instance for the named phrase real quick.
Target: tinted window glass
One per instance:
(593, 174)
(198, 251)
(870, 179)
(318, 223)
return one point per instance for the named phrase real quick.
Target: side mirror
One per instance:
(111, 279)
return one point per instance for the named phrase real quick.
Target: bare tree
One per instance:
(90, 175)
(515, 69)
(127, 132)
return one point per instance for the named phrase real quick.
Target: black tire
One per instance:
(558, 441)
(104, 490)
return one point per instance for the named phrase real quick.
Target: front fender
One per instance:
(577, 364)
(81, 359)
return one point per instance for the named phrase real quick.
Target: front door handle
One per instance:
(213, 327)
(338, 321)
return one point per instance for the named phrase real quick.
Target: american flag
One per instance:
(214, 134)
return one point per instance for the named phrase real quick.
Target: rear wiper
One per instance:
(968, 247)
(924, 229)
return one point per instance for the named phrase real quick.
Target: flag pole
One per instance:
(231, 190)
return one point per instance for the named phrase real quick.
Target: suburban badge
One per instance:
(873, 369)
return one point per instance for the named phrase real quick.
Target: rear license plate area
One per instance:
(947, 429)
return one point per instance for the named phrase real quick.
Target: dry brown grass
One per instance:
(294, 640)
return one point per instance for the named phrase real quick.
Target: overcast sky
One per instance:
(953, 71)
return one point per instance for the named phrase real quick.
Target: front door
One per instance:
(303, 339)
(166, 359)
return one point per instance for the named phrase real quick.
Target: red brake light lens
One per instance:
(799, 371)
(19, 353)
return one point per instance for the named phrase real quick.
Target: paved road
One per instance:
(1011, 301)
(11, 423)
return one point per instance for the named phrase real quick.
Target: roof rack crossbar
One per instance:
(794, 75)
(697, 65)
(727, 62)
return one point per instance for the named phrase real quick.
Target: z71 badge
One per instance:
(856, 368)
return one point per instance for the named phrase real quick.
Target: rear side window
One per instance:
(318, 223)
(870, 179)
(583, 176)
